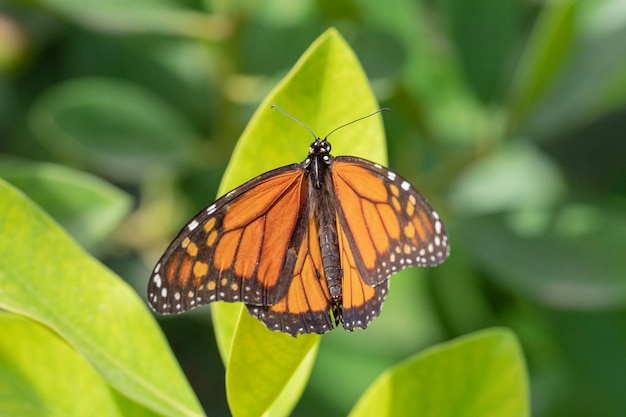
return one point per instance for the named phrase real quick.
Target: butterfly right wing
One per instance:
(361, 302)
(387, 223)
(243, 247)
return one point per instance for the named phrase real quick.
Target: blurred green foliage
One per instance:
(509, 116)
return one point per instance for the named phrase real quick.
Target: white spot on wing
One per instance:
(210, 209)
(192, 225)
(157, 281)
(405, 186)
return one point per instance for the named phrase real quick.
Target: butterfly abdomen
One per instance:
(326, 217)
(332, 267)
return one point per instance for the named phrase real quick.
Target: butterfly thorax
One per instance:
(318, 162)
(322, 205)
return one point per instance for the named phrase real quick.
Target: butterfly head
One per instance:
(319, 147)
(318, 161)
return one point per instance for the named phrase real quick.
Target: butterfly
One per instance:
(306, 246)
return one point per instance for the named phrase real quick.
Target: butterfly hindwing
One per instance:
(240, 248)
(305, 307)
(361, 303)
(388, 224)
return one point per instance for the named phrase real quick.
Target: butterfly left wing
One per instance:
(305, 307)
(243, 247)
(387, 223)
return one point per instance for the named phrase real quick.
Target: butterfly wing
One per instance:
(244, 247)
(386, 224)
(305, 307)
(361, 302)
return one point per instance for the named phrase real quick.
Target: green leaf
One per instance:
(545, 54)
(87, 207)
(478, 375)
(257, 375)
(45, 276)
(116, 127)
(326, 88)
(143, 16)
(42, 375)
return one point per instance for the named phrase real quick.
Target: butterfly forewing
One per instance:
(388, 224)
(239, 248)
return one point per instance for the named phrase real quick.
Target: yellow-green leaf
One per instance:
(478, 375)
(326, 88)
(45, 276)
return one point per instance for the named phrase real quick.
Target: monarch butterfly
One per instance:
(306, 246)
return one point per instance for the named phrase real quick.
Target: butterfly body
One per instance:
(317, 168)
(303, 246)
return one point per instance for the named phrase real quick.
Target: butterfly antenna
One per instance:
(354, 121)
(274, 106)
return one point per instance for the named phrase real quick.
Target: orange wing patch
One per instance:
(388, 225)
(305, 307)
(235, 249)
(351, 204)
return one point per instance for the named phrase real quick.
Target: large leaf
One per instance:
(326, 88)
(478, 375)
(268, 377)
(44, 275)
(40, 375)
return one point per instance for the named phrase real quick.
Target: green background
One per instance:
(509, 116)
